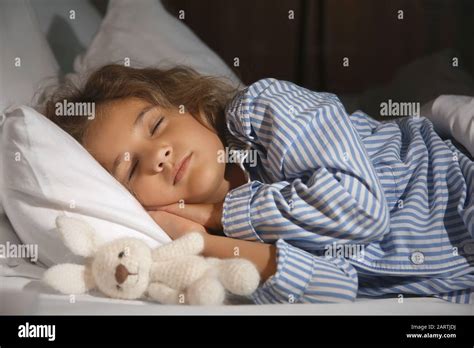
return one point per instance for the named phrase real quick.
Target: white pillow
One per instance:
(453, 115)
(21, 42)
(144, 32)
(46, 173)
(8, 237)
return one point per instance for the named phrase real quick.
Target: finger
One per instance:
(153, 207)
(173, 207)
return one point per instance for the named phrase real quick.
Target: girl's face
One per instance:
(141, 146)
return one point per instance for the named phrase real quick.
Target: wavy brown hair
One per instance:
(204, 97)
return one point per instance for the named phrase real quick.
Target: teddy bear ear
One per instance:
(78, 235)
(69, 278)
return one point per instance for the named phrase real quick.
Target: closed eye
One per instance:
(153, 130)
(133, 170)
(156, 126)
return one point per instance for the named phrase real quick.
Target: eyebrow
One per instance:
(138, 122)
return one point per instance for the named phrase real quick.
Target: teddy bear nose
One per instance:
(121, 273)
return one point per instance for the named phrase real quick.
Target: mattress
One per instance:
(23, 293)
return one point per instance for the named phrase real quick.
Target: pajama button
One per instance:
(417, 258)
(469, 248)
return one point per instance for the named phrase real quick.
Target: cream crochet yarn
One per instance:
(127, 268)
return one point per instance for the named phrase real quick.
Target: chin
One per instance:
(205, 183)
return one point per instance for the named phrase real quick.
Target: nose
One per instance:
(160, 157)
(121, 273)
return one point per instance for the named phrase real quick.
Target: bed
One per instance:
(22, 293)
(21, 289)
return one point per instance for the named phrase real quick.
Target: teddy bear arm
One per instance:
(163, 293)
(189, 244)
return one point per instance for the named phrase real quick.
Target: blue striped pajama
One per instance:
(325, 178)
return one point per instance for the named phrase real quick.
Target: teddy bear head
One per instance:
(119, 269)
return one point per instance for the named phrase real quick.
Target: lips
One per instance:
(180, 169)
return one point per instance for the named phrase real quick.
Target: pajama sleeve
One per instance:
(305, 278)
(323, 187)
(320, 188)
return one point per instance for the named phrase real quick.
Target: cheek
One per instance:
(205, 177)
(150, 191)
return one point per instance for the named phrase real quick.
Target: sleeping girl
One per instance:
(333, 206)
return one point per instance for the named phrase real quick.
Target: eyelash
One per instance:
(156, 126)
(136, 162)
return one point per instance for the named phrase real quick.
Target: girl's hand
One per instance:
(176, 226)
(205, 214)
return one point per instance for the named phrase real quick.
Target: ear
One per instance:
(69, 278)
(78, 235)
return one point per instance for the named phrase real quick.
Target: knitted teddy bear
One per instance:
(128, 268)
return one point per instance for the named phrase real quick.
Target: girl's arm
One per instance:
(289, 274)
(262, 255)
(317, 184)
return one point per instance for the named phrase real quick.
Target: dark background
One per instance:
(309, 49)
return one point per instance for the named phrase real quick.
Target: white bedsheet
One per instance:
(22, 293)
